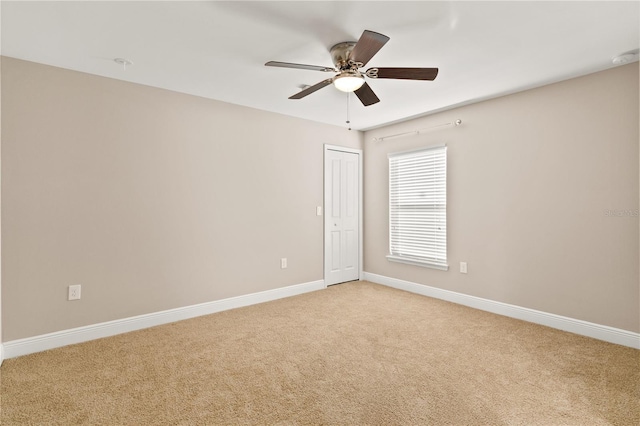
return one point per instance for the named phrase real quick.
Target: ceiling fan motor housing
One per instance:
(341, 56)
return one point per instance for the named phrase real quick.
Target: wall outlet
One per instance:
(463, 267)
(283, 263)
(74, 292)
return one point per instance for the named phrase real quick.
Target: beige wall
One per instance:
(530, 176)
(148, 198)
(154, 200)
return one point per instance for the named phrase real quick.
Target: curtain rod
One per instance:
(417, 132)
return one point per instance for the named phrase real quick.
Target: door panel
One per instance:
(336, 188)
(351, 199)
(350, 261)
(342, 220)
(335, 251)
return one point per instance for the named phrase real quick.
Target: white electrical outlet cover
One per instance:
(74, 292)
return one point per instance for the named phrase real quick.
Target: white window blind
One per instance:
(418, 207)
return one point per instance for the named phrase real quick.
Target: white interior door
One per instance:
(342, 252)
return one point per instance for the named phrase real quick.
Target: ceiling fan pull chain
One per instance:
(348, 120)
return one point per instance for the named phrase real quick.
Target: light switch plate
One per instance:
(463, 267)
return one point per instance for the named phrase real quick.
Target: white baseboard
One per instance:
(584, 328)
(57, 339)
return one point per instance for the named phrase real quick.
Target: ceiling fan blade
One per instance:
(309, 90)
(366, 95)
(404, 73)
(299, 66)
(369, 44)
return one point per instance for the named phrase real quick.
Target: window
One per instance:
(418, 207)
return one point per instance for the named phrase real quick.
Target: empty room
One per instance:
(314, 212)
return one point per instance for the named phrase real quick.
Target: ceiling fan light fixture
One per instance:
(348, 81)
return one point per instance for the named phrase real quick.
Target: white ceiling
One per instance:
(218, 49)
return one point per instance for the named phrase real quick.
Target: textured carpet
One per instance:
(356, 353)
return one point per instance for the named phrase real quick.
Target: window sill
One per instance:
(423, 263)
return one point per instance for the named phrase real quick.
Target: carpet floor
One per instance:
(354, 354)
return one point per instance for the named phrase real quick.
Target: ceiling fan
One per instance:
(349, 57)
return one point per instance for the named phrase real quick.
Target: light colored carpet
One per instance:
(356, 353)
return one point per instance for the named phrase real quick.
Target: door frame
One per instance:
(328, 147)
